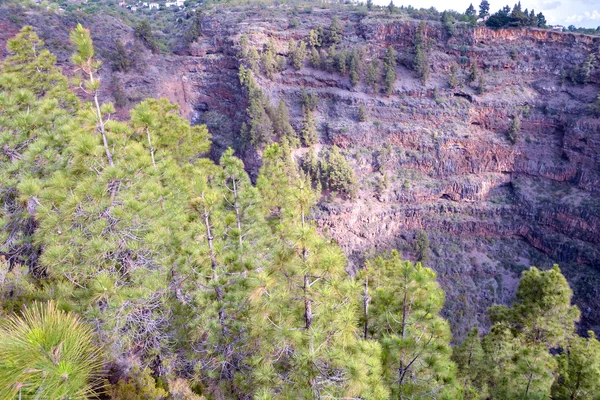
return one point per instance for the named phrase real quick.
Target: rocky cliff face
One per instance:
(491, 208)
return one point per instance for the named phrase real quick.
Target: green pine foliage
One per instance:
(514, 129)
(260, 130)
(404, 316)
(297, 53)
(36, 111)
(372, 75)
(305, 304)
(578, 369)
(515, 359)
(281, 126)
(421, 59)
(309, 128)
(205, 285)
(389, 70)
(453, 80)
(47, 353)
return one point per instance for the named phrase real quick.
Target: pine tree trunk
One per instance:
(236, 207)
(151, 148)
(366, 299)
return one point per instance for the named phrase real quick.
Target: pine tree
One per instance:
(336, 31)
(310, 165)
(481, 84)
(282, 127)
(470, 10)
(268, 62)
(543, 310)
(421, 60)
(315, 58)
(253, 59)
(541, 21)
(338, 174)
(578, 369)
(305, 302)
(341, 62)
(519, 363)
(474, 73)
(84, 60)
(453, 79)
(448, 22)
(362, 113)
(260, 130)
(219, 268)
(120, 59)
(143, 31)
(391, 8)
(514, 129)
(422, 246)
(354, 67)
(469, 358)
(314, 39)
(484, 8)
(373, 74)
(309, 129)
(309, 101)
(297, 53)
(515, 369)
(404, 318)
(389, 68)
(36, 108)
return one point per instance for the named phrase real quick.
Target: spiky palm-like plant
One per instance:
(46, 353)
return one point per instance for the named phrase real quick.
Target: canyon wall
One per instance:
(491, 207)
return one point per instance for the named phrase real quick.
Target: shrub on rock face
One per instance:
(46, 353)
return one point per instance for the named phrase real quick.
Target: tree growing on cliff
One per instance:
(391, 8)
(449, 23)
(338, 175)
(422, 246)
(372, 75)
(481, 84)
(453, 80)
(470, 10)
(355, 66)
(582, 73)
(541, 20)
(120, 59)
(310, 101)
(143, 31)
(514, 129)
(336, 31)
(484, 8)
(315, 39)
(389, 69)
(281, 125)
(421, 59)
(309, 129)
(362, 113)
(297, 53)
(260, 130)
(474, 72)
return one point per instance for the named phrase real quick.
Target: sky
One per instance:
(585, 13)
